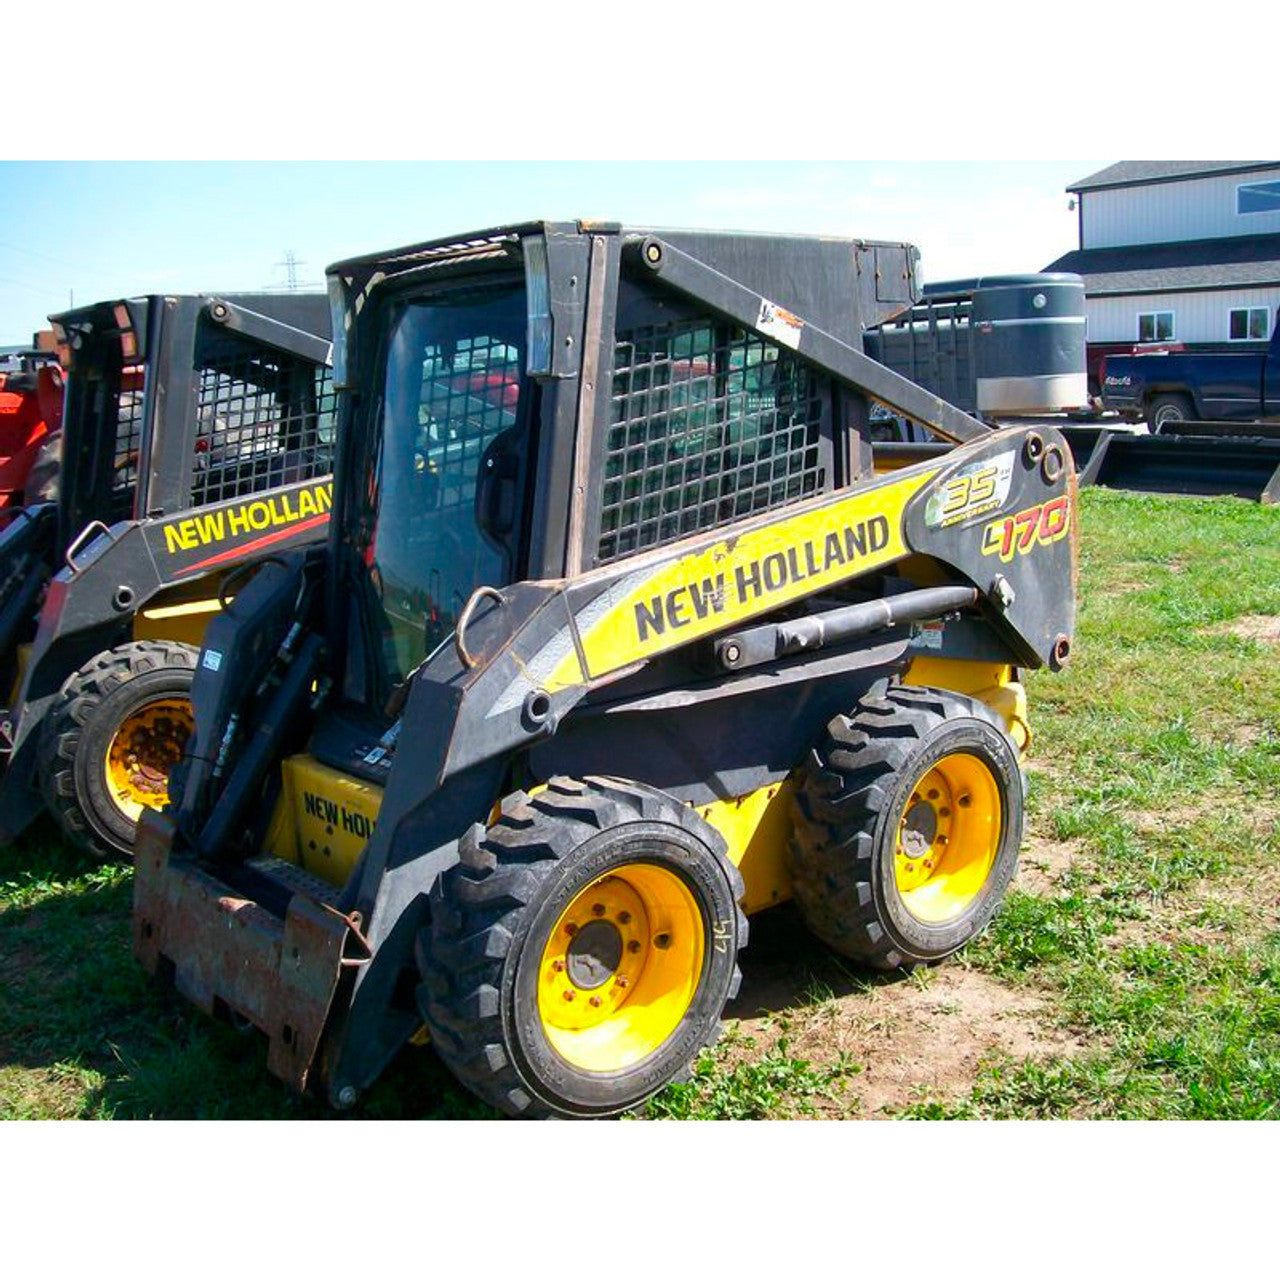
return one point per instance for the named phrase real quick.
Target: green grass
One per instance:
(1157, 756)
(1161, 754)
(775, 1085)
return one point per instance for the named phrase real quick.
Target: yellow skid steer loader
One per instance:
(618, 638)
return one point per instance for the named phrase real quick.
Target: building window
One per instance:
(1249, 324)
(1155, 326)
(1258, 197)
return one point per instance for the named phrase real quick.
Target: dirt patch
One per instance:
(1247, 735)
(1260, 817)
(1044, 862)
(924, 1035)
(1262, 627)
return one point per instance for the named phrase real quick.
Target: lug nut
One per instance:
(568, 995)
(571, 929)
(624, 981)
(595, 1002)
(944, 812)
(624, 917)
(933, 795)
(633, 947)
(598, 909)
(558, 966)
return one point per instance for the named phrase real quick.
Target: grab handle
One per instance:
(81, 538)
(464, 618)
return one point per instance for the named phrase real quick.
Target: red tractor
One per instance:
(30, 426)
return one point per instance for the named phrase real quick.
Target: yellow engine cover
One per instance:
(323, 819)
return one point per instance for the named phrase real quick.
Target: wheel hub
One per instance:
(620, 968)
(594, 954)
(144, 750)
(947, 838)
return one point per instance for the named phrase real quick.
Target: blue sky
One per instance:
(103, 229)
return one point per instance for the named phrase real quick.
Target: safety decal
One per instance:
(974, 491)
(1041, 525)
(779, 324)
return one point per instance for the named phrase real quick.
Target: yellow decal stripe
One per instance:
(741, 578)
(253, 516)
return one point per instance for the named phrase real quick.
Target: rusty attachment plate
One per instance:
(228, 954)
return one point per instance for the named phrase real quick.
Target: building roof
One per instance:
(1140, 173)
(1223, 263)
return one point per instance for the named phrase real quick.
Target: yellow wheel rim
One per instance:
(948, 837)
(620, 968)
(142, 753)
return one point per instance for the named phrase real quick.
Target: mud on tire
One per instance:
(569, 896)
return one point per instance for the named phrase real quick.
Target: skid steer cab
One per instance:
(618, 638)
(196, 442)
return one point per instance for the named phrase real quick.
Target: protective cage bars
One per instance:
(126, 404)
(264, 418)
(710, 423)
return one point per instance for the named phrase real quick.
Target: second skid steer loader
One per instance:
(196, 440)
(617, 639)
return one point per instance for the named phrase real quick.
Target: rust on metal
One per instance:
(229, 954)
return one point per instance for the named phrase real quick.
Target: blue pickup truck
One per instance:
(1229, 386)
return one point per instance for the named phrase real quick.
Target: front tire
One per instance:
(109, 742)
(581, 952)
(908, 823)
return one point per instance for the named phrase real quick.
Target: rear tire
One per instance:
(1168, 408)
(580, 954)
(908, 823)
(111, 738)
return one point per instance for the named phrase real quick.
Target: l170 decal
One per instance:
(1037, 526)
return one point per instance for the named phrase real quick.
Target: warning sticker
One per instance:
(779, 324)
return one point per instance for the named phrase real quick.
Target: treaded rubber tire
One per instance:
(80, 725)
(850, 796)
(492, 913)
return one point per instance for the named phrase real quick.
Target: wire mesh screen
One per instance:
(454, 376)
(710, 424)
(465, 403)
(127, 409)
(264, 418)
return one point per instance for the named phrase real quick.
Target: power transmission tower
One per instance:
(291, 265)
